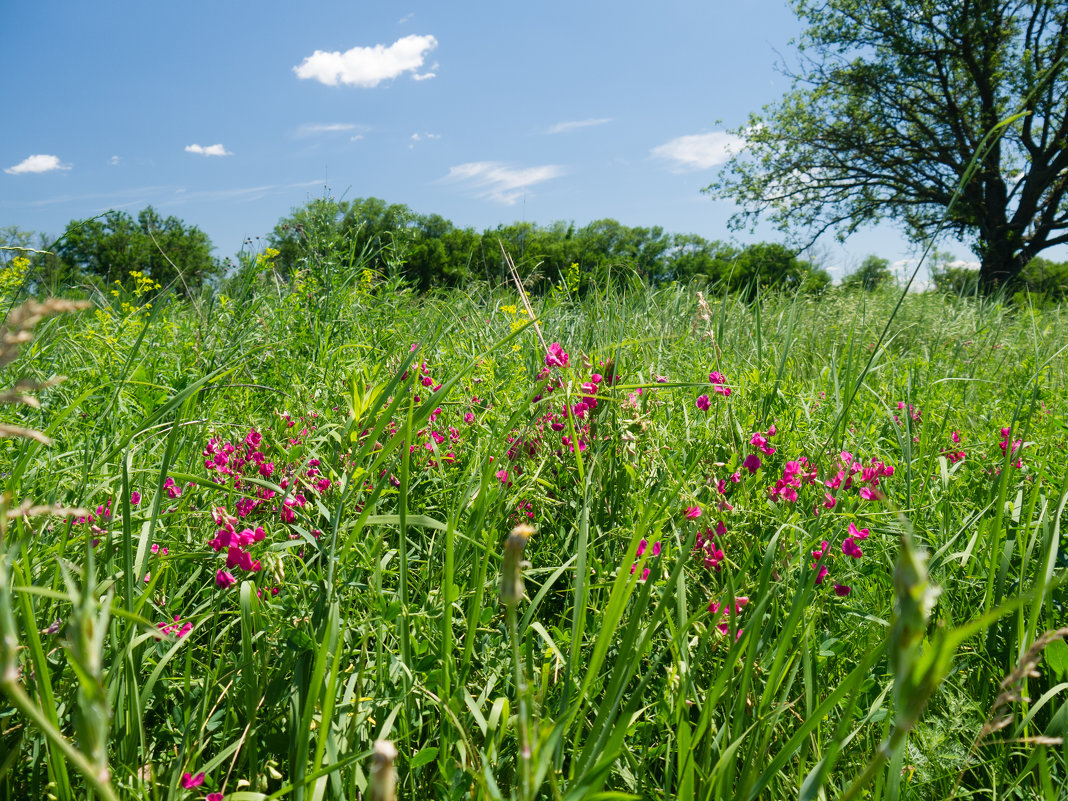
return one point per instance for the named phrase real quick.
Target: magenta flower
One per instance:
(135, 498)
(555, 357)
(850, 548)
(703, 403)
(224, 579)
(213, 797)
(841, 590)
(693, 512)
(751, 463)
(189, 781)
(858, 533)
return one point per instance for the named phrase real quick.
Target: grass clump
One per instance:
(767, 550)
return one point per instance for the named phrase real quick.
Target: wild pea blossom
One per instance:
(723, 611)
(640, 552)
(719, 383)
(249, 458)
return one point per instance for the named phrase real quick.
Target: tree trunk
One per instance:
(999, 265)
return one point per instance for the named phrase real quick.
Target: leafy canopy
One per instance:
(893, 101)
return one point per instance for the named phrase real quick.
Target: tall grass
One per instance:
(599, 681)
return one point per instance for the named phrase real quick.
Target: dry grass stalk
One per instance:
(523, 295)
(383, 779)
(17, 331)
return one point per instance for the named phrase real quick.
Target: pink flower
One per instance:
(135, 498)
(189, 781)
(555, 357)
(858, 533)
(213, 797)
(503, 476)
(850, 548)
(693, 512)
(841, 590)
(703, 403)
(751, 463)
(224, 579)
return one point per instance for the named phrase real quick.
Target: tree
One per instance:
(872, 273)
(893, 101)
(113, 246)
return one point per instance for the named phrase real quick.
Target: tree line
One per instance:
(428, 251)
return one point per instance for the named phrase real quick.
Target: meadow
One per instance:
(659, 542)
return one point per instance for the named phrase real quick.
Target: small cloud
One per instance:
(367, 66)
(210, 150)
(500, 182)
(426, 76)
(37, 163)
(415, 137)
(313, 129)
(356, 138)
(114, 161)
(574, 125)
(406, 17)
(699, 151)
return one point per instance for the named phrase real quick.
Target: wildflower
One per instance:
(724, 613)
(858, 533)
(751, 463)
(719, 383)
(841, 590)
(224, 579)
(850, 548)
(189, 781)
(555, 357)
(213, 797)
(135, 498)
(703, 403)
(693, 512)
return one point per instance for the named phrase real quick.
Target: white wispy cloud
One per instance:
(368, 66)
(406, 17)
(574, 125)
(37, 163)
(426, 76)
(699, 151)
(313, 128)
(114, 161)
(500, 182)
(210, 150)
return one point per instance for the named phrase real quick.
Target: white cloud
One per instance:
(37, 163)
(368, 66)
(499, 182)
(574, 125)
(699, 151)
(114, 161)
(426, 76)
(406, 17)
(311, 128)
(210, 150)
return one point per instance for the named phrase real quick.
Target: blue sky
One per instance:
(230, 114)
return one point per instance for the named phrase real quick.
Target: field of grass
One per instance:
(659, 545)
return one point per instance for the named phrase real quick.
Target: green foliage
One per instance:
(113, 246)
(872, 273)
(597, 681)
(945, 116)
